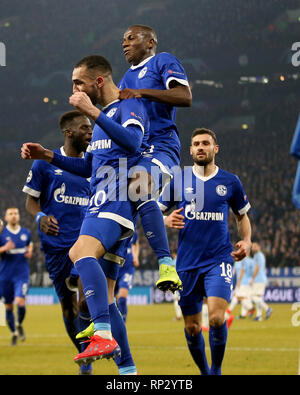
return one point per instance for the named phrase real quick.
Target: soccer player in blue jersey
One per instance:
(119, 136)
(126, 274)
(258, 282)
(204, 193)
(16, 248)
(161, 82)
(58, 200)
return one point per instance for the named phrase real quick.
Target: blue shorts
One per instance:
(110, 216)
(60, 267)
(215, 281)
(10, 288)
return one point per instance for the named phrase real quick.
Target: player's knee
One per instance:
(216, 319)
(73, 254)
(193, 328)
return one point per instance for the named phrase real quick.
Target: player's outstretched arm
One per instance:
(79, 166)
(244, 245)
(36, 151)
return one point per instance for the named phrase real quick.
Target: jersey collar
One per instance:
(205, 178)
(63, 153)
(142, 63)
(109, 104)
(14, 231)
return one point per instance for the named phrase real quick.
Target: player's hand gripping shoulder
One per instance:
(175, 220)
(127, 93)
(36, 151)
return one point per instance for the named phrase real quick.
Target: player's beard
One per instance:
(93, 97)
(203, 162)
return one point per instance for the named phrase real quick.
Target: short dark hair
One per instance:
(198, 131)
(66, 118)
(148, 31)
(95, 62)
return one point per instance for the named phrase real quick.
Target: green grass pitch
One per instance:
(270, 347)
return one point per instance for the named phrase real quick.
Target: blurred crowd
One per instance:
(37, 84)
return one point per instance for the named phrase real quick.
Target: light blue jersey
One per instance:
(260, 260)
(248, 265)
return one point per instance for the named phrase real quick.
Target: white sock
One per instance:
(104, 334)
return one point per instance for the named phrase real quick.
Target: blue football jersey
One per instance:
(248, 266)
(260, 260)
(205, 238)
(157, 72)
(62, 194)
(105, 152)
(13, 262)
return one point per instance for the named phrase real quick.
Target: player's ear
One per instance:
(151, 43)
(217, 147)
(100, 81)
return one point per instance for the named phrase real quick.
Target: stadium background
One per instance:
(238, 58)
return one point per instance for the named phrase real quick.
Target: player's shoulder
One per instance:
(133, 105)
(226, 175)
(164, 57)
(25, 230)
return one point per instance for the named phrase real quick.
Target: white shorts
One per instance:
(244, 291)
(258, 289)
